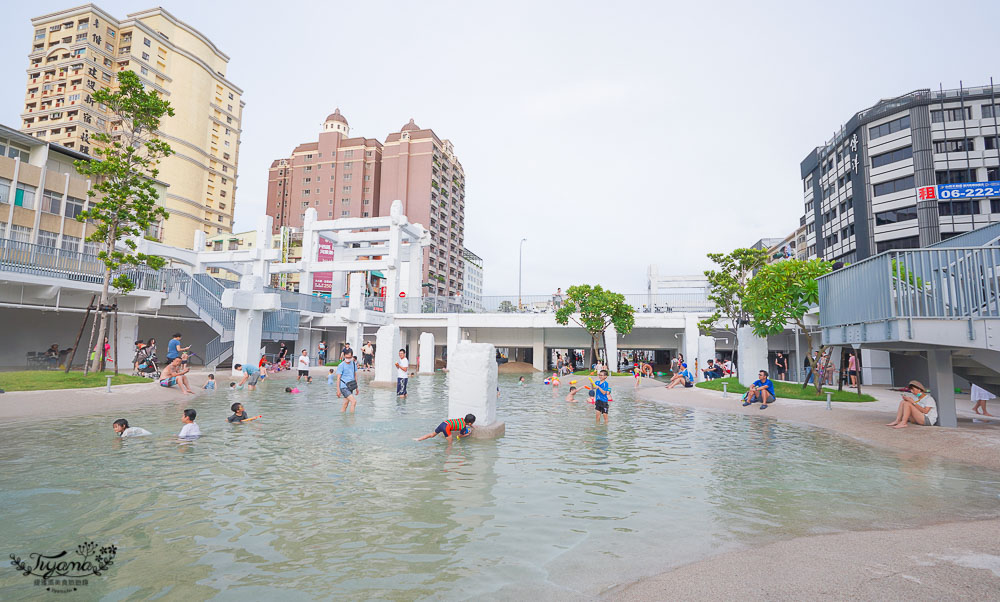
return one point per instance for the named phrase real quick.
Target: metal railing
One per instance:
(537, 304)
(204, 297)
(281, 322)
(987, 235)
(39, 260)
(944, 283)
(215, 349)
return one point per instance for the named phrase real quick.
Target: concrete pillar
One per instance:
(538, 359)
(453, 337)
(706, 351)
(246, 336)
(426, 357)
(304, 341)
(472, 386)
(357, 291)
(310, 251)
(395, 248)
(386, 353)
(751, 355)
(355, 336)
(411, 340)
(690, 347)
(128, 334)
(875, 368)
(415, 274)
(611, 346)
(942, 385)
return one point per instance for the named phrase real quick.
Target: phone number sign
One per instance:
(968, 190)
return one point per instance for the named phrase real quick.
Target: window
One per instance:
(955, 176)
(70, 243)
(345, 213)
(145, 56)
(897, 185)
(345, 201)
(348, 164)
(900, 154)
(20, 233)
(52, 202)
(111, 33)
(4, 190)
(992, 174)
(954, 146)
(951, 114)
(47, 239)
(143, 70)
(895, 216)
(24, 196)
(347, 176)
(896, 125)
(958, 207)
(146, 42)
(349, 155)
(73, 208)
(368, 202)
(230, 98)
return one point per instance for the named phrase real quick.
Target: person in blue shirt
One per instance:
(761, 390)
(602, 394)
(684, 378)
(347, 380)
(250, 373)
(174, 348)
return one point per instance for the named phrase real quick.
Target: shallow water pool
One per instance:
(309, 503)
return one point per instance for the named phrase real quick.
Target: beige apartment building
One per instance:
(77, 51)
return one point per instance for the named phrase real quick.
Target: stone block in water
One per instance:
(426, 357)
(472, 383)
(387, 345)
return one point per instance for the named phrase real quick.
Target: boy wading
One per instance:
(402, 365)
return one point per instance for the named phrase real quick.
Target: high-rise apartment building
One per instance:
(422, 170)
(337, 175)
(472, 287)
(341, 176)
(79, 50)
(906, 172)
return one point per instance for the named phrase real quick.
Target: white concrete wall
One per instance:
(751, 356)
(472, 382)
(387, 346)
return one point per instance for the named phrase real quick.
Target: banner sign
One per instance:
(967, 190)
(323, 281)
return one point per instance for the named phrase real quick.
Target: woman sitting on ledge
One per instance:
(922, 410)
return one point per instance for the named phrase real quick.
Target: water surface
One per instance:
(308, 503)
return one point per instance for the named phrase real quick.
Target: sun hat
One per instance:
(917, 384)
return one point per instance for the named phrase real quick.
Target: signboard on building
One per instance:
(967, 190)
(323, 281)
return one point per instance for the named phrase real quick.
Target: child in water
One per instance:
(520, 381)
(124, 430)
(572, 394)
(240, 414)
(462, 426)
(232, 386)
(292, 390)
(210, 385)
(330, 377)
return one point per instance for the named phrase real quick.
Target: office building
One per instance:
(901, 174)
(41, 194)
(80, 50)
(472, 283)
(421, 169)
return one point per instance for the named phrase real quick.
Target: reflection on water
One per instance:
(309, 503)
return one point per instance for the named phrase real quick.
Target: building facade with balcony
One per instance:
(422, 170)
(77, 51)
(472, 282)
(862, 189)
(41, 194)
(337, 175)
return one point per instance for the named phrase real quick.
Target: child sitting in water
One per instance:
(330, 377)
(309, 380)
(210, 385)
(462, 426)
(292, 390)
(572, 394)
(520, 381)
(124, 430)
(232, 385)
(190, 429)
(240, 414)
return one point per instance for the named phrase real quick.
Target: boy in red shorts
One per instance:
(462, 426)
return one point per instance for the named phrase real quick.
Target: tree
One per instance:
(784, 292)
(595, 309)
(506, 307)
(729, 287)
(124, 201)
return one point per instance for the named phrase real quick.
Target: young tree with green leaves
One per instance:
(728, 289)
(595, 309)
(123, 201)
(782, 293)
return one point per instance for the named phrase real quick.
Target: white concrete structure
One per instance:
(387, 345)
(472, 382)
(751, 357)
(706, 351)
(425, 359)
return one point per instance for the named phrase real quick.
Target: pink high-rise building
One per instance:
(422, 170)
(359, 177)
(337, 175)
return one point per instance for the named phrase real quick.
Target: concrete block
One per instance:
(472, 382)
(426, 357)
(706, 351)
(751, 355)
(387, 346)
(489, 431)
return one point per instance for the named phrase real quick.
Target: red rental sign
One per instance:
(381, 292)
(323, 281)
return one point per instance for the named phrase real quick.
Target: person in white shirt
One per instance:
(303, 365)
(190, 429)
(124, 430)
(921, 410)
(402, 365)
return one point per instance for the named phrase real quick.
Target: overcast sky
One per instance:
(611, 135)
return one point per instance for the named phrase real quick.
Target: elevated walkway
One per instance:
(942, 300)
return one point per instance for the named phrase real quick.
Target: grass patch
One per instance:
(788, 391)
(333, 363)
(47, 380)
(579, 373)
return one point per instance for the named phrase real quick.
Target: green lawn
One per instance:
(45, 380)
(788, 391)
(333, 363)
(586, 373)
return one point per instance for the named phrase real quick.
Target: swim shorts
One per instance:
(168, 382)
(349, 387)
(442, 428)
(254, 379)
(601, 406)
(303, 373)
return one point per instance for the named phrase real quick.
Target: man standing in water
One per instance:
(347, 381)
(402, 365)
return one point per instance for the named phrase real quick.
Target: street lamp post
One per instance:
(520, 254)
